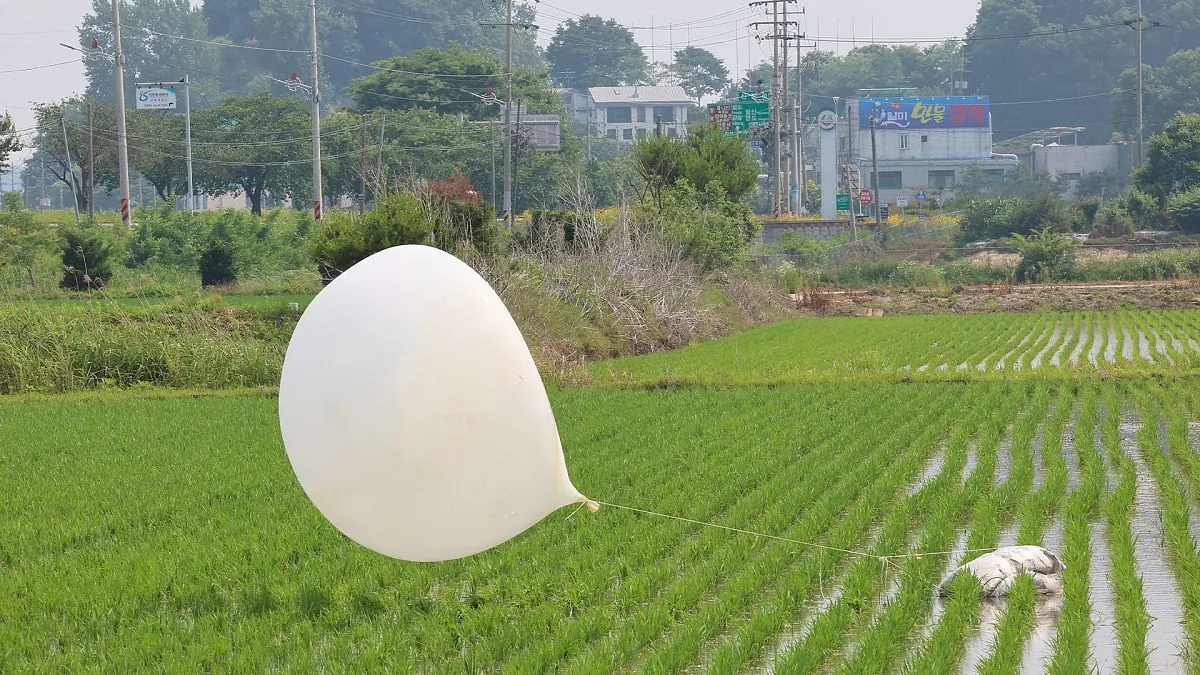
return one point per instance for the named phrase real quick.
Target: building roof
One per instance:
(639, 94)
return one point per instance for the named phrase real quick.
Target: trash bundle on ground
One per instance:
(998, 571)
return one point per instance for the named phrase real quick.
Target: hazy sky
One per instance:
(30, 31)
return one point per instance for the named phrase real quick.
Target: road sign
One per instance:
(865, 196)
(155, 98)
(884, 211)
(739, 117)
(902, 201)
(921, 196)
(843, 201)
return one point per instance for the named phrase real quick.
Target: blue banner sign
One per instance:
(933, 112)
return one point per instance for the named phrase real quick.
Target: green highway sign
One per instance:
(843, 201)
(740, 116)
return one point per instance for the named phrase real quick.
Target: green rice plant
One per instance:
(1132, 621)
(1013, 630)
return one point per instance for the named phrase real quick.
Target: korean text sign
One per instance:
(941, 112)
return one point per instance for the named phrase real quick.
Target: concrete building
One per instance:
(1072, 162)
(922, 144)
(627, 113)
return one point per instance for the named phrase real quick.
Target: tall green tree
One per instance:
(594, 52)
(1172, 159)
(451, 81)
(162, 40)
(714, 157)
(61, 138)
(699, 72)
(257, 145)
(10, 142)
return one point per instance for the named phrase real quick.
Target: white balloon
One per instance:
(413, 414)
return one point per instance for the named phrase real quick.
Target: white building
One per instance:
(922, 144)
(1072, 162)
(627, 113)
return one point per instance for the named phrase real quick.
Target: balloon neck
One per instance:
(592, 506)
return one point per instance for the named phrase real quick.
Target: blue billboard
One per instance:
(929, 112)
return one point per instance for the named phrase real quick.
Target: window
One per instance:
(641, 114)
(612, 133)
(924, 138)
(941, 178)
(994, 177)
(903, 145)
(889, 180)
(641, 133)
(666, 112)
(627, 134)
(622, 115)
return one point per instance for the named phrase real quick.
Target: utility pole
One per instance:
(187, 139)
(1140, 25)
(70, 168)
(91, 182)
(508, 193)
(785, 173)
(381, 185)
(122, 141)
(875, 172)
(779, 33)
(318, 198)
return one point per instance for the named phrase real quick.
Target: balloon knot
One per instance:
(592, 506)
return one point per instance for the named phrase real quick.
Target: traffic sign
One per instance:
(902, 201)
(921, 196)
(740, 116)
(865, 196)
(843, 201)
(884, 211)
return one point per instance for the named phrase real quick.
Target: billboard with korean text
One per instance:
(932, 112)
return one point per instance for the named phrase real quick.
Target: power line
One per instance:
(48, 65)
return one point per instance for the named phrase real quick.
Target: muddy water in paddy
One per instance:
(1097, 345)
(1036, 362)
(1104, 635)
(1040, 646)
(1110, 345)
(1166, 635)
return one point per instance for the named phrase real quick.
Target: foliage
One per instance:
(216, 262)
(435, 79)
(1184, 208)
(85, 259)
(706, 156)
(597, 53)
(714, 232)
(255, 145)
(1098, 184)
(659, 163)
(21, 238)
(1046, 256)
(10, 142)
(986, 219)
(164, 40)
(344, 239)
(1168, 88)
(713, 156)
(1173, 158)
(699, 72)
(806, 250)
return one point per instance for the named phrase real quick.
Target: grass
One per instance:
(148, 529)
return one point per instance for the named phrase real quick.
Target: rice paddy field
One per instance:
(160, 531)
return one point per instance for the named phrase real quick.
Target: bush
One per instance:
(1045, 256)
(344, 239)
(910, 274)
(715, 233)
(1112, 221)
(1184, 208)
(85, 256)
(986, 219)
(216, 263)
(809, 251)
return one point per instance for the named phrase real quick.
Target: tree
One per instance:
(216, 262)
(353, 33)
(594, 52)
(699, 72)
(1173, 158)
(85, 256)
(158, 151)
(69, 117)
(256, 145)
(450, 81)
(659, 162)
(10, 142)
(162, 40)
(714, 157)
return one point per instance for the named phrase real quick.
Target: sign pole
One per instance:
(187, 136)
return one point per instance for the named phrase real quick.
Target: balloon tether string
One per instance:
(594, 505)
